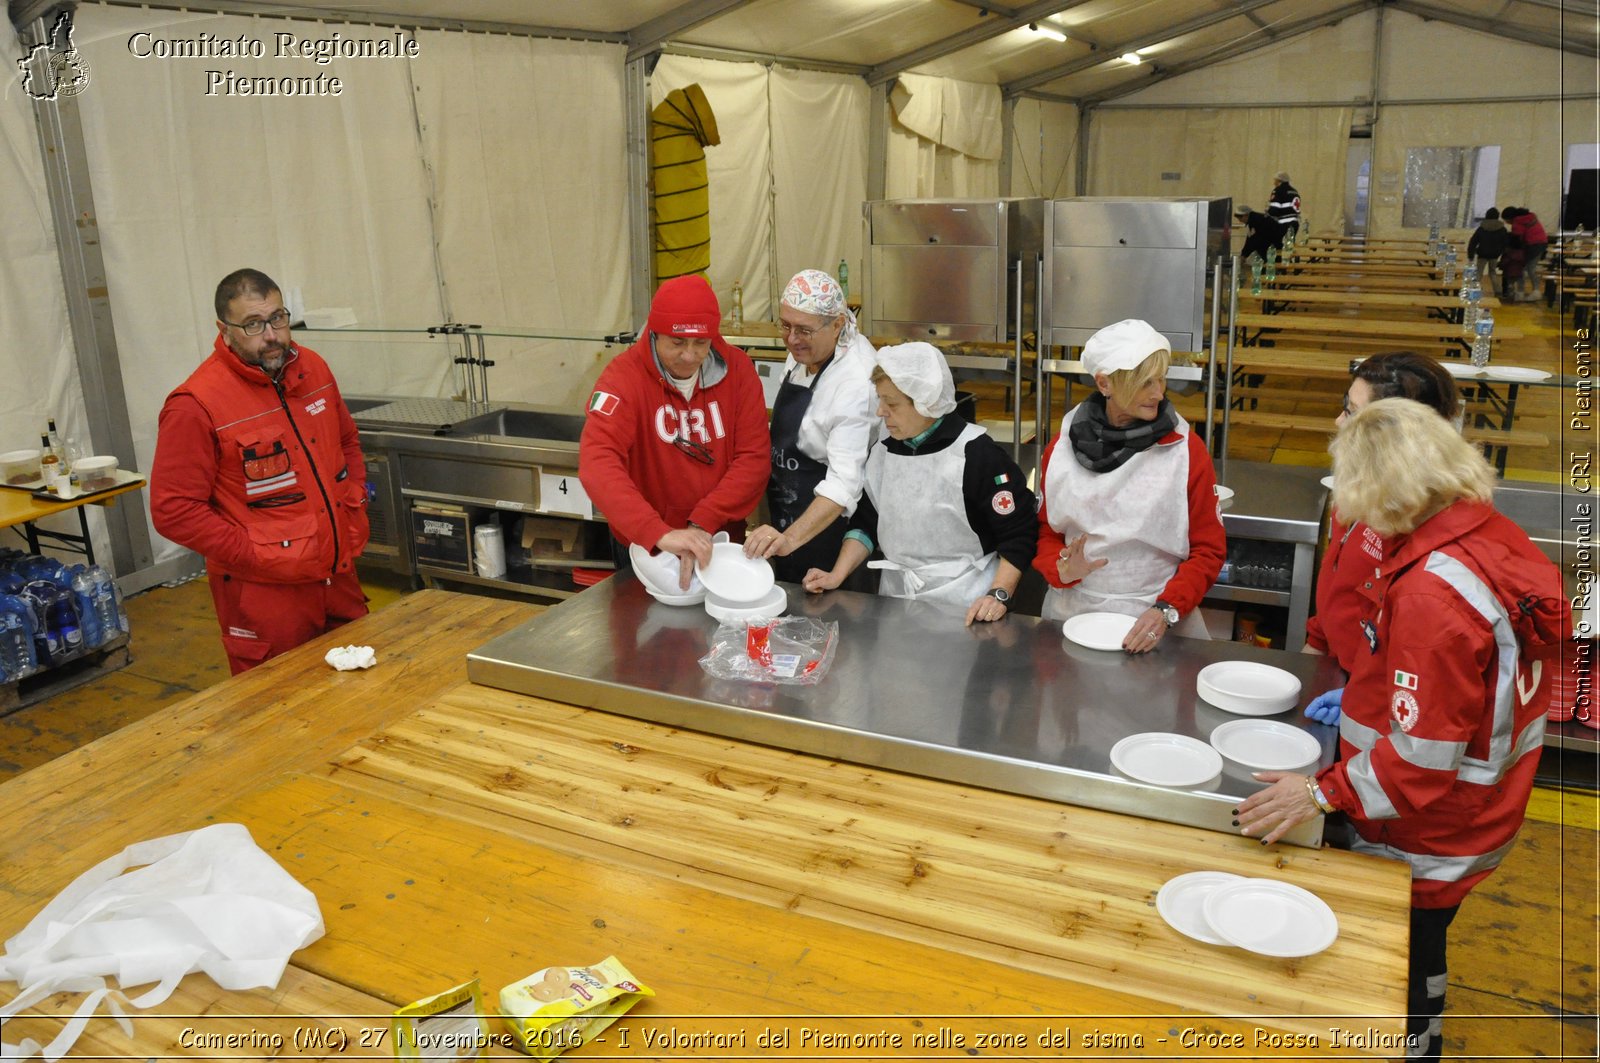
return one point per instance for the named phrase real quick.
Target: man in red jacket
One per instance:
(258, 468)
(675, 446)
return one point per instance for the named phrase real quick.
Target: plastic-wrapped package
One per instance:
(790, 649)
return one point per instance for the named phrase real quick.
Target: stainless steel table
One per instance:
(1011, 706)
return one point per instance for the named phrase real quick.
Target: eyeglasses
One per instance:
(698, 451)
(1348, 410)
(800, 332)
(256, 326)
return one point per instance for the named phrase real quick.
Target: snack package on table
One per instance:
(790, 649)
(559, 1008)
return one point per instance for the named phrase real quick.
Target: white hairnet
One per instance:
(1123, 345)
(919, 370)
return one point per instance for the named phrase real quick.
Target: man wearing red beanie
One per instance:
(675, 445)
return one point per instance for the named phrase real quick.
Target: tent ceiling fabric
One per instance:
(965, 39)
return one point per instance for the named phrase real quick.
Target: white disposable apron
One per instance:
(1136, 517)
(930, 551)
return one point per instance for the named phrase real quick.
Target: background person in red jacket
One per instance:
(258, 468)
(675, 446)
(1127, 497)
(1443, 717)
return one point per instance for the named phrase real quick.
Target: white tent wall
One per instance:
(819, 170)
(1223, 152)
(37, 361)
(944, 139)
(525, 140)
(1044, 149)
(1417, 60)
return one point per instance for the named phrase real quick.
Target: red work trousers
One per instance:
(261, 620)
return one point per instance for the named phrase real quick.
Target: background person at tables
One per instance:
(823, 425)
(1527, 232)
(1128, 517)
(1445, 709)
(674, 446)
(1283, 205)
(1487, 244)
(1261, 234)
(1355, 549)
(948, 508)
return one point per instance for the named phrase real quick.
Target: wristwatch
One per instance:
(1169, 612)
(999, 594)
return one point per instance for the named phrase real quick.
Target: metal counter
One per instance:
(1011, 706)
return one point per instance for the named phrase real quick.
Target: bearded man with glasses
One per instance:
(258, 468)
(675, 444)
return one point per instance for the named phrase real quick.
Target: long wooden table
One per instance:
(451, 832)
(1358, 331)
(1442, 305)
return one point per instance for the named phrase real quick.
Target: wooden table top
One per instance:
(1423, 301)
(21, 507)
(1381, 328)
(451, 831)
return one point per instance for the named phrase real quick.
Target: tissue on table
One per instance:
(349, 658)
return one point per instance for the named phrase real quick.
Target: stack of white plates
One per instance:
(1265, 745)
(1248, 688)
(659, 574)
(1260, 915)
(1162, 759)
(740, 589)
(1224, 496)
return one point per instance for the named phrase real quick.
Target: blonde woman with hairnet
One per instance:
(822, 427)
(1128, 517)
(947, 507)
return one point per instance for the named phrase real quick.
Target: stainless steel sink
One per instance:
(522, 424)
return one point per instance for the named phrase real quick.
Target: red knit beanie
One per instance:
(685, 306)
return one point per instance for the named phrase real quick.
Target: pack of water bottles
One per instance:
(51, 613)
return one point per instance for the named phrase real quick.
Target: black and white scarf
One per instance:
(1099, 447)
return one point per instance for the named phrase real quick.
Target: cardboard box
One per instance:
(551, 538)
(442, 536)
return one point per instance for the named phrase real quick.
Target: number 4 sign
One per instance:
(562, 493)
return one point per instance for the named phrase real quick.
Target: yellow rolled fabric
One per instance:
(682, 126)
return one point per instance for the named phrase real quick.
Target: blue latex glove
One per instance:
(1324, 708)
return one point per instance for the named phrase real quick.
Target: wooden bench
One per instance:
(1358, 331)
(1495, 441)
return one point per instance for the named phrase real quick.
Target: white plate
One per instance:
(1248, 688)
(1224, 496)
(1181, 903)
(1270, 918)
(735, 578)
(1515, 373)
(1460, 369)
(1265, 745)
(1327, 481)
(694, 597)
(1166, 759)
(1098, 631)
(659, 574)
(771, 605)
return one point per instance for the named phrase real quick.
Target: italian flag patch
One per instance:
(1003, 478)
(603, 402)
(1405, 680)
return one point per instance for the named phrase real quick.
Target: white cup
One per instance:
(489, 551)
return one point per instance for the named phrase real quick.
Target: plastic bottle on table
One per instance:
(736, 311)
(83, 593)
(844, 277)
(17, 657)
(1483, 332)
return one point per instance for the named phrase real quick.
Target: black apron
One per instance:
(794, 481)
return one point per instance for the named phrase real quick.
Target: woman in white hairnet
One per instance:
(822, 427)
(1128, 519)
(947, 507)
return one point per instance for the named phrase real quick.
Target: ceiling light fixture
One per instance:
(1131, 58)
(1047, 31)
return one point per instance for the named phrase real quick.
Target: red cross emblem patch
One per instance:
(1004, 503)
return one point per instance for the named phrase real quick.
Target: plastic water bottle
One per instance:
(1483, 330)
(107, 606)
(1255, 275)
(1469, 316)
(83, 593)
(736, 312)
(844, 278)
(1271, 274)
(17, 657)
